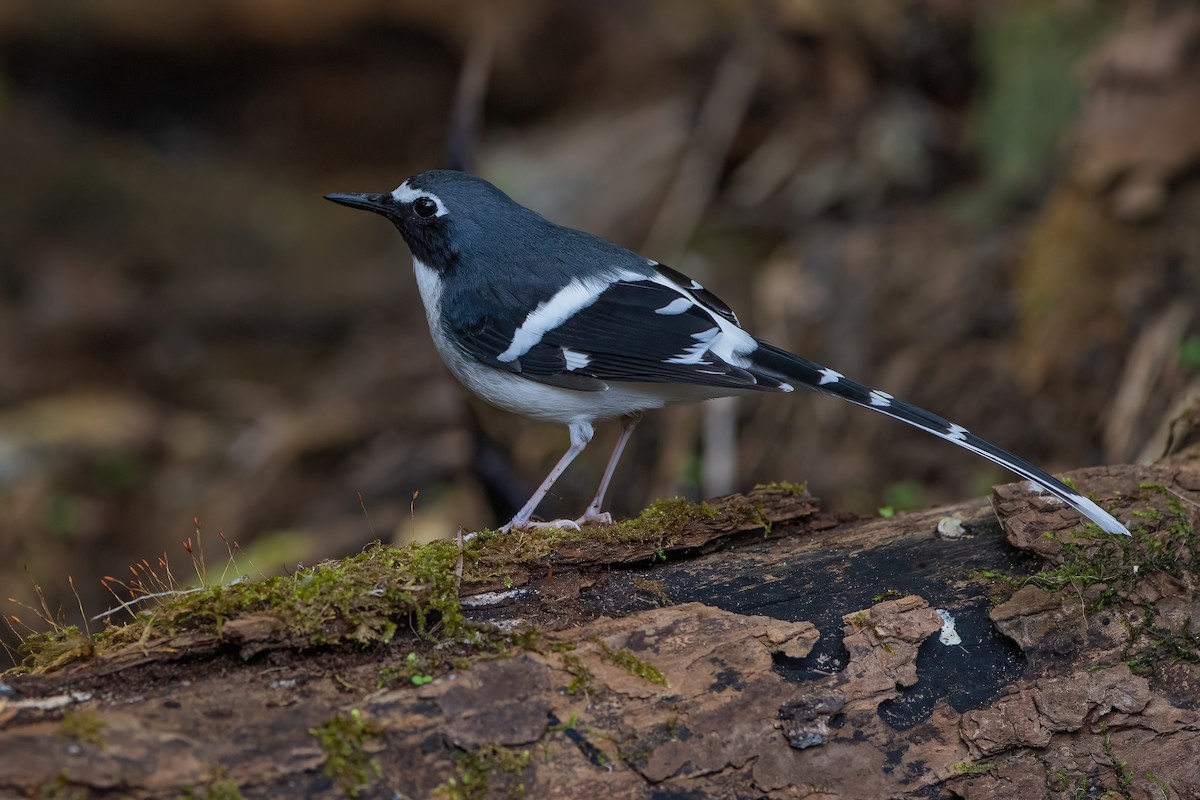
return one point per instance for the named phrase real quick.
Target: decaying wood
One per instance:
(810, 660)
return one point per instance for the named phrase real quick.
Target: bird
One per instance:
(559, 325)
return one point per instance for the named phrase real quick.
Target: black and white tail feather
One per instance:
(560, 325)
(786, 366)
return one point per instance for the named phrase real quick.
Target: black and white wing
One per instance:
(660, 327)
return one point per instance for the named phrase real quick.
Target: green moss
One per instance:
(571, 724)
(662, 521)
(1166, 543)
(624, 657)
(367, 598)
(60, 788)
(582, 679)
(1109, 569)
(362, 599)
(57, 647)
(1162, 785)
(518, 547)
(1124, 776)
(971, 769)
(344, 739)
(477, 771)
(658, 526)
(786, 487)
(221, 787)
(414, 671)
(1152, 646)
(653, 588)
(82, 727)
(861, 620)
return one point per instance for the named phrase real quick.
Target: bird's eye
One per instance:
(425, 207)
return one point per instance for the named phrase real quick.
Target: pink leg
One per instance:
(594, 515)
(581, 434)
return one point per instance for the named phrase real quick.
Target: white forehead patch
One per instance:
(406, 194)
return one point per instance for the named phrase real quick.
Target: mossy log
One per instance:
(754, 646)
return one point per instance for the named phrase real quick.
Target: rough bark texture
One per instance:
(807, 661)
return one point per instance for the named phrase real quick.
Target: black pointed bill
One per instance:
(379, 203)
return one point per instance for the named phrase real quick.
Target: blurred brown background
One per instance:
(990, 209)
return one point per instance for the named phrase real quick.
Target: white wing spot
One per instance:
(731, 344)
(695, 287)
(564, 304)
(956, 433)
(881, 399)
(575, 360)
(406, 194)
(786, 387)
(693, 354)
(830, 376)
(676, 306)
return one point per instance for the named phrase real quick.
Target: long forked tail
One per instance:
(782, 364)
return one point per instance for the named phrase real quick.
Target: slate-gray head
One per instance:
(443, 213)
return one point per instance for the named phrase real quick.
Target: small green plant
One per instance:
(1124, 776)
(582, 680)
(475, 772)
(971, 769)
(220, 787)
(624, 657)
(417, 670)
(570, 725)
(60, 788)
(1162, 785)
(344, 740)
(386, 676)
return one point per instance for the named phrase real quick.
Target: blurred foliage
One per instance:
(1189, 354)
(1030, 94)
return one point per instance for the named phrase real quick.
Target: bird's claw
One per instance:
(591, 517)
(531, 524)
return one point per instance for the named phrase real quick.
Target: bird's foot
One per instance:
(595, 517)
(531, 524)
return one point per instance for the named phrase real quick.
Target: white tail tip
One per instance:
(1098, 515)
